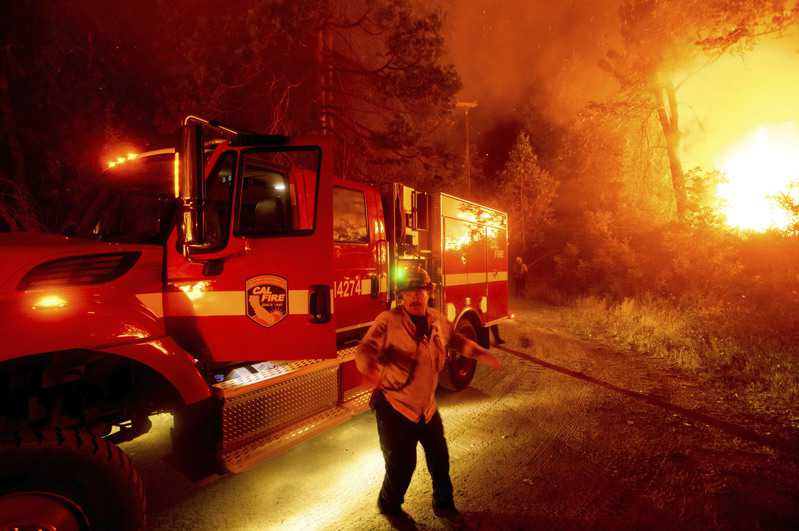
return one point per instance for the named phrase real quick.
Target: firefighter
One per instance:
(519, 277)
(401, 355)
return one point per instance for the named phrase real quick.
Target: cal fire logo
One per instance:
(267, 299)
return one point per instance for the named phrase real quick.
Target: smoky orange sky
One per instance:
(513, 53)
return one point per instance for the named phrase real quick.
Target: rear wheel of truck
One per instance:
(459, 371)
(68, 480)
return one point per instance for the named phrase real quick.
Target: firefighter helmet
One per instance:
(414, 278)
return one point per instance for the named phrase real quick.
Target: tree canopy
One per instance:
(526, 191)
(77, 85)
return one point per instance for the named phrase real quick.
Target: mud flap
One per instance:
(197, 439)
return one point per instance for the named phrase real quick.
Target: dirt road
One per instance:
(566, 435)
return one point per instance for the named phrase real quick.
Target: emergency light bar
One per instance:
(135, 156)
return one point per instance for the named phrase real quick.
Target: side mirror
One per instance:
(421, 210)
(190, 183)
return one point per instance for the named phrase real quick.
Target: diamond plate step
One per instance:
(273, 372)
(275, 442)
(357, 400)
(268, 373)
(270, 406)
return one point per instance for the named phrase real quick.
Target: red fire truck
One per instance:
(204, 282)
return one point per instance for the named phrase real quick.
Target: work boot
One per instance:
(448, 512)
(397, 518)
(387, 509)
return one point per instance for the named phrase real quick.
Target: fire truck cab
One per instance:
(204, 281)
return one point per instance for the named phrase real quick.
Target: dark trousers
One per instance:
(519, 286)
(398, 439)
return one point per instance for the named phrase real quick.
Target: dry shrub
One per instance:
(648, 326)
(727, 343)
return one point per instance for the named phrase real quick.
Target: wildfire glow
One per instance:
(758, 169)
(740, 115)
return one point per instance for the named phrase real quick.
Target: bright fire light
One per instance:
(740, 115)
(758, 169)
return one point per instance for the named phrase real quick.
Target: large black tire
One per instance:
(68, 479)
(457, 374)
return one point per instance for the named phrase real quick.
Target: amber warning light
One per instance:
(49, 302)
(122, 159)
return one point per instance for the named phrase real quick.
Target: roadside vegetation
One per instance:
(719, 303)
(722, 304)
(728, 346)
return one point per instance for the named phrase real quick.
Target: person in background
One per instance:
(401, 355)
(519, 277)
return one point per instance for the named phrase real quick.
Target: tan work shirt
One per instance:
(409, 368)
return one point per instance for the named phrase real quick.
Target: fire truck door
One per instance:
(269, 295)
(359, 248)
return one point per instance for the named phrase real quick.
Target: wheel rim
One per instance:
(34, 511)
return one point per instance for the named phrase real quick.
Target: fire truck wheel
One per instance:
(68, 479)
(459, 371)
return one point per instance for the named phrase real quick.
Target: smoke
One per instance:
(518, 53)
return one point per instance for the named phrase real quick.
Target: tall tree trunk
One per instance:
(669, 122)
(523, 211)
(324, 58)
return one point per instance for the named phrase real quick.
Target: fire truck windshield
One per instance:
(132, 202)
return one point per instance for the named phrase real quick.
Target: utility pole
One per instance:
(466, 105)
(523, 212)
(325, 63)
(324, 59)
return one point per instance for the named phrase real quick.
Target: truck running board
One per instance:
(277, 405)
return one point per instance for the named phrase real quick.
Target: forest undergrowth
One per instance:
(735, 346)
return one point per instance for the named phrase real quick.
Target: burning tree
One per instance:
(661, 37)
(789, 201)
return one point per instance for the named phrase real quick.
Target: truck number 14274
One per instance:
(348, 287)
